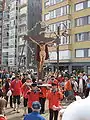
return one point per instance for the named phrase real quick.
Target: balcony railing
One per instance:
(22, 23)
(22, 33)
(22, 5)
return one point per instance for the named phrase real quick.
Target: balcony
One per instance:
(22, 5)
(22, 23)
(22, 33)
(21, 43)
(22, 14)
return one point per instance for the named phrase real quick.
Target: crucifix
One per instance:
(42, 48)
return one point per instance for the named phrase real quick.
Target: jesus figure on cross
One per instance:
(42, 53)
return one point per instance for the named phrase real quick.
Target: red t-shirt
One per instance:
(43, 91)
(16, 87)
(54, 98)
(32, 96)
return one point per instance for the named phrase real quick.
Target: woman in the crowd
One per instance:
(6, 88)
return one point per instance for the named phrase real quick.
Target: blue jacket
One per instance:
(34, 116)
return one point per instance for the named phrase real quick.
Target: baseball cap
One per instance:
(36, 105)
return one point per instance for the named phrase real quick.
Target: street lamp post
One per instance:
(57, 42)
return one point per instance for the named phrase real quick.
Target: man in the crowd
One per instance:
(16, 90)
(43, 96)
(54, 96)
(68, 86)
(25, 87)
(81, 85)
(34, 115)
(52, 79)
(32, 95)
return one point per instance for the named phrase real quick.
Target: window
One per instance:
(46, 4)
(88, 19)
(52, 27)
(57, 1)
(88, 36)
(58, 12)
(80, 37)
(88, 3)
(83, 36)
(1, 15)
(65, 40)
(79, 6)
(68, 24)
(62, 11)
(80, 21)
(52, 55)
(52, 14)
(68, 9)
(52, 2)
(79, 53)
(0, 29)
(65, 10)
(47, 16)
(88, 52)
(64, 55)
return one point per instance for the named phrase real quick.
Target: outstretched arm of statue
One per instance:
(49, 42)
(34, 41)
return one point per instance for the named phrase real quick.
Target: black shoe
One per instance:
(11, 106)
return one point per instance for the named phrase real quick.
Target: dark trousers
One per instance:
(16, 99)
(10, 100)
(87, 92)
(29, 110)
(53, 114)
(25, 102)
(42, 102)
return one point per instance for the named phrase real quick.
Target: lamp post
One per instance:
(58, 41)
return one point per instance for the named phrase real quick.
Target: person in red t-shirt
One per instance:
(16, 91)
(53, 80)
(32, 95)
(54, 97)
(42, 98)
(25, 87)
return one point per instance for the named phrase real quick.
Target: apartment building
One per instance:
(74, 50)
(22, 30)
(1, 15)
(13, 34)
(5, 35)
(19, 16)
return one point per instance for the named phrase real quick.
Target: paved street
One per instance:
(12, 115)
